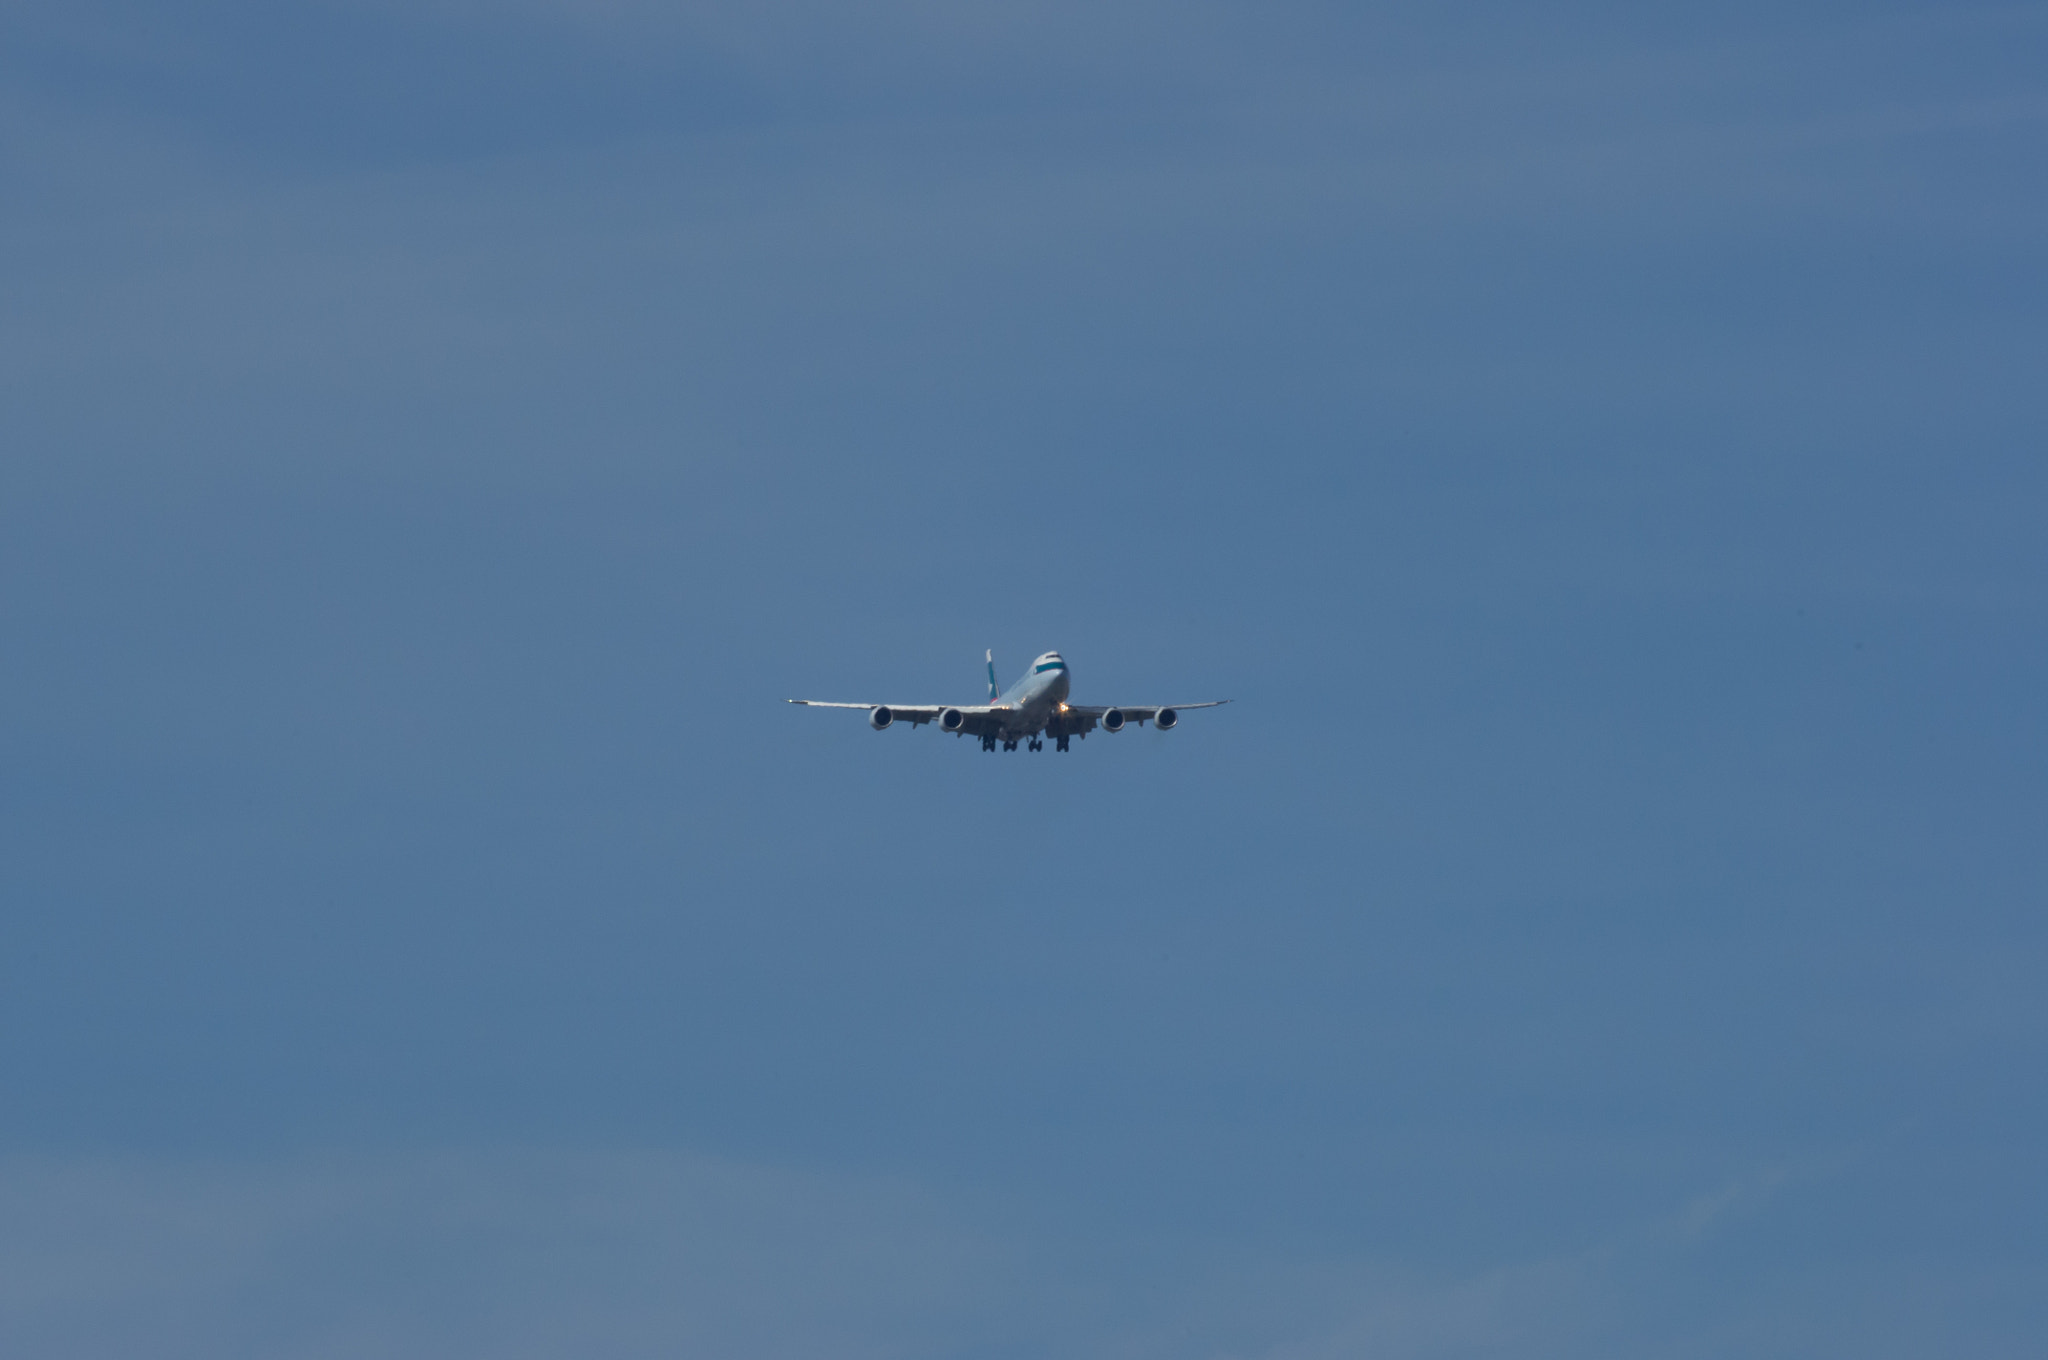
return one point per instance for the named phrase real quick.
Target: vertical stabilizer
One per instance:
(993, 692)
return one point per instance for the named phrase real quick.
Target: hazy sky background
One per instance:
(1601, 451)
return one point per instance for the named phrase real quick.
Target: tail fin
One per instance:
(993, 692)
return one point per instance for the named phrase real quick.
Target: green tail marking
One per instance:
(993, 693)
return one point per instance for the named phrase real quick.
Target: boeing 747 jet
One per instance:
(1031, 710)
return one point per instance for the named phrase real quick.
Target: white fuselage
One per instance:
(1036, 696)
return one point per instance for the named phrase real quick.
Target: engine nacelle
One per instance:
(1167, 719)
(880, 717)
(1113, 720)
(952, 720)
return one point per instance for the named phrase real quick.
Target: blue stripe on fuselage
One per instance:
(1035, 694)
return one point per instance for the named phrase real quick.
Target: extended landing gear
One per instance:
(989, 740)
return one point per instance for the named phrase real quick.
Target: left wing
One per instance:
(1112, 717)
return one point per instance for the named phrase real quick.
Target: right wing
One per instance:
(974, 717)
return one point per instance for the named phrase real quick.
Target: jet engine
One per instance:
(880, 717)
(1113, 720)
(952, 720)
(1167, 719)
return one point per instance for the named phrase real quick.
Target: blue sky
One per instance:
(1598, 450)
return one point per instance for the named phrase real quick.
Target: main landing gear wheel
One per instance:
(1061, 744)
(1037, 745)
(1010, 745)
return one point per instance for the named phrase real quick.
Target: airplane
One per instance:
(1035, 707)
